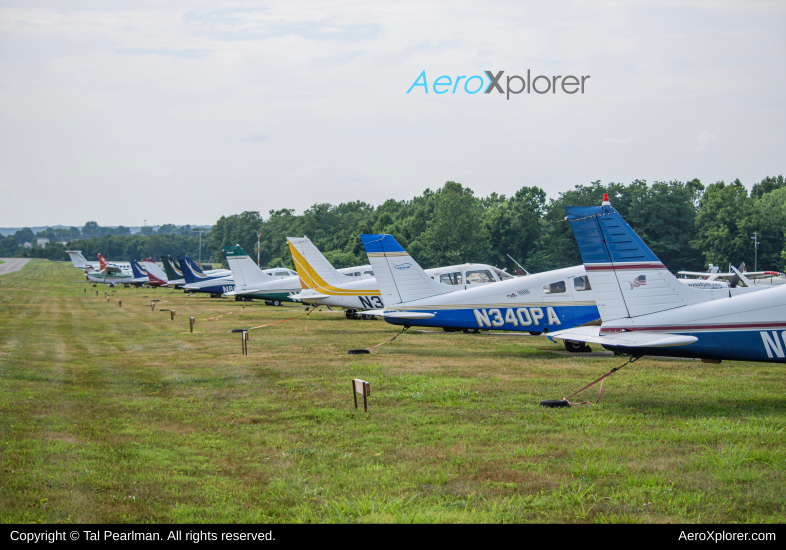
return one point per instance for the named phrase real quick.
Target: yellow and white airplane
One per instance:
(323, 285)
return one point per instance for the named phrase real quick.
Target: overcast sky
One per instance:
(180, 112)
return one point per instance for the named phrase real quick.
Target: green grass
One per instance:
(117, 414)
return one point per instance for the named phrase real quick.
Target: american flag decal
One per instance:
(641, 280)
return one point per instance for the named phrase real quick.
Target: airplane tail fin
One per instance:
(189, 273)
(627, 278)
(313, 268)
(245, 271)
(102, 262)
(77, 259)
(154, 273)
(171, 268)
(400, 278)
(137, 270)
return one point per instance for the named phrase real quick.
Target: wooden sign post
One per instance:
(171, 314)
(191, 323)
(120, 303)
(361, 386)
(243, 339)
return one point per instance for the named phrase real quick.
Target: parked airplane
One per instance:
(199, 281)
(174, 274)
(536, 303)
(324, 285)
(713, 278)
(79, 261)
(272, 285)
(646, 310)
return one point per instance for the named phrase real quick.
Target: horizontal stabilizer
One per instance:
(399, 314)
(632, 339)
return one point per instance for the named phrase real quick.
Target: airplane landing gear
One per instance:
(470, 330)
(351, 314)
(368, 317)
(276, 303)
(577, 347)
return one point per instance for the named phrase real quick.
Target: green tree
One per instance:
(456, 233)
(9, 247)
(725, 224)
(514, 225)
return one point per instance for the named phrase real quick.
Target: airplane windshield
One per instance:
(503, 275)
(450, 278)
(477, 277)
(368, 273)
(581, 283)
(555, 288)
(282, 274)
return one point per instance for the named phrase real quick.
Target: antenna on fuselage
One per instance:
(518, 264)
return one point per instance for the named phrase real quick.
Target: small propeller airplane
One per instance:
(536, 303)
(156, 277)
(198, 281)
(645, 310)
(324, 285)
(272, 285)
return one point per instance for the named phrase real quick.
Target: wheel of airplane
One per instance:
(535, 333)
(351, 314)
(369, 317)
(276, 303)
(575, 347)
(268, 303)
(470, 330)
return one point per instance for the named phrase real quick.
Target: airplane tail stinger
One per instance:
(399, 277)
(627, 278)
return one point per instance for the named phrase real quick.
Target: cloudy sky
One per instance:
(180, 112)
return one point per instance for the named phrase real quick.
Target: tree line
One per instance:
(686, 224)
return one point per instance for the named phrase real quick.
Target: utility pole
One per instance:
(259, 237)
(200, 245)
(755, 240)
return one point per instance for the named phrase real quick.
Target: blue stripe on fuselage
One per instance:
(508, 319)
(738, 345)
(215, 289)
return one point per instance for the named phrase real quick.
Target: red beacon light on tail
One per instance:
(605, 200)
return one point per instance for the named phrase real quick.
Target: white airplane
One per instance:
(80, 262)
(272, 285)
(536, 303)
(713, 278)
(324, 285)
(645, 310)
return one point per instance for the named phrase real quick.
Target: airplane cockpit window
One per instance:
(450, 278)
(371, 273)
(503, 275)
(478, 277)
(282, 274)
(581, 283)
(555, 288)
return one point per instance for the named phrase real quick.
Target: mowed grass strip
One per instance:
(117, 414)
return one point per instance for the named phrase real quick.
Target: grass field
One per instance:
(117, 414)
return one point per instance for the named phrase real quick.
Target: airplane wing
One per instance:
(633, 339)
(398, 314)
(762, 274)
(706, 275)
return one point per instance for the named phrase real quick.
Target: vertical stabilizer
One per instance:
(137, 270)
(171, 268)
(399, 277)
(187, 266)
(102, 262)
(77, 259)
(245, 271)
(313, 268)
(628, 280)
(154, 273)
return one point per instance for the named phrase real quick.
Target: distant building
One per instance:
(27, 245)
(42, 241)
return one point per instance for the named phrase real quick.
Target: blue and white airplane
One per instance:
(198, 281)
(645, 310)
(537, 304)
